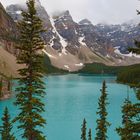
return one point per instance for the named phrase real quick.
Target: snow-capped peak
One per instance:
(85, 22)
(62, 40)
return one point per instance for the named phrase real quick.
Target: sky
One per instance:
(97, 11)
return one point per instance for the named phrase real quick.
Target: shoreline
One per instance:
(5, 97)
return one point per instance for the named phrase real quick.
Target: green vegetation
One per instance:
(99, 68)
(131, 112)
(125, 131)
(31, 85)
(134, 110)
(83, 129)
(89, 135)
(130, 75)
(102, 123)
(49, 69)
(125, 74)
(6, 127)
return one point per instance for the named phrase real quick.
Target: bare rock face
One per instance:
(70, 45)
(7, 25)
(8, 31)
(121, 36)
(62, 33)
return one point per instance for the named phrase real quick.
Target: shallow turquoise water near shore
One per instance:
(71, 98)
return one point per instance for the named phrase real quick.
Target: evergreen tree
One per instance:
(31, 87)
(6, 127)
(1, 84)
(89, 135)
(83, 129)
(102, 122)
(136, 107)
(135, 50)
(125, 131)
(9, 86)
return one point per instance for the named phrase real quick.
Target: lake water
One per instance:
(71, 98)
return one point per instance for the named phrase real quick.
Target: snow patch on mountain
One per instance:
(67, 67)
(79, 65)
(62, 40)
(117, 51)
(81, 39)
(49, 55)
(52, 41)
(18, 12)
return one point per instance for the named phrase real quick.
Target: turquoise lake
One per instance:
(71, 98)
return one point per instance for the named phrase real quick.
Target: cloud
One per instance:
(109, 11)
(78, 9)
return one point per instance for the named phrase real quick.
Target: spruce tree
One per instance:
(136, 107)
(83, 129)
(102, 123)
(6, 127)
(31, 86)
(125, 131)
(89, 135)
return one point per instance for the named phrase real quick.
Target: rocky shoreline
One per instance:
(5, 97)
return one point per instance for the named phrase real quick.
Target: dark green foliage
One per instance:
(50, 69)
(31, 87)
(125, 131)
(131, 112)
(1, 84)
(131, 121)
(125, 74)
(89, 135)
(135, 110)
(102, 123)
(9, 85)
(135, 50)
(6, 127)
(98, 68)
(130, 76)
(83, 129)
(135, 116)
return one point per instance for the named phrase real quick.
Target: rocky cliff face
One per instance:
(121, 36)
(8, 31)
(69, 44)
(6, 25)
(5, 88)
(67, 40)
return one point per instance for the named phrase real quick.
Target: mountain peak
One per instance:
(59, 14)
(85, 22)
(65, 15)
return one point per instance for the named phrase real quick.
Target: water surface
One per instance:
(71, 98)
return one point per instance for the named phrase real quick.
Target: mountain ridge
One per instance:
(70, 45)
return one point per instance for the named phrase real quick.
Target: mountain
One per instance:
(7, 25)
(121, 36)
(69, 45)
(66, 40)
(8, 33)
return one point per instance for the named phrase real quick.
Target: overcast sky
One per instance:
(107, 11)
